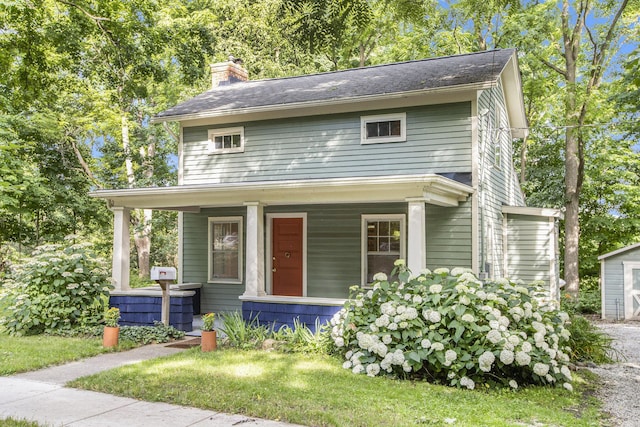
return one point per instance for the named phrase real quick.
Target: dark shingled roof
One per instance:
(426, 74)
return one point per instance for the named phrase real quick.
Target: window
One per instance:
(225, 249)
(497, 154)
(383, 242)
(229, 140)
(384, 128)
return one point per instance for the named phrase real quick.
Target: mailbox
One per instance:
(163, 273)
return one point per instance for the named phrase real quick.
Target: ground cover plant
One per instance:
(450, 328)
(314, 390)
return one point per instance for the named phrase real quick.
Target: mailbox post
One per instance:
(164, 276)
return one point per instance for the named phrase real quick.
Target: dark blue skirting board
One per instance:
(138, 310)
(279, 315)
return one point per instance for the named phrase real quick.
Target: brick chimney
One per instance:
(226, 73)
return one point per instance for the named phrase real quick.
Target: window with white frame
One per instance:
(225, 249)
(228, 140)
(383, 242)
(383, 128)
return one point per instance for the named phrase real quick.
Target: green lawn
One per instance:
(316, 391)
(11, 422)
(20, 354)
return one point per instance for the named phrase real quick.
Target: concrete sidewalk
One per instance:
(42, 397)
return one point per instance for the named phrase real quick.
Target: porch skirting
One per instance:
(281, 311)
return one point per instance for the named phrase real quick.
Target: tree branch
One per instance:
(555, 68)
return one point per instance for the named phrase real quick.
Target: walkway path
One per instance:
(41, 396)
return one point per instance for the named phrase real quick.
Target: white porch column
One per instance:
(254, 275)
(416, 240)
(121, 247)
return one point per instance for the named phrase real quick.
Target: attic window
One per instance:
(383, 128)
(228, 140)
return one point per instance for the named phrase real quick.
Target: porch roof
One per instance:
(432, 188)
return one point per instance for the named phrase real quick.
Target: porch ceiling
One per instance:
(431, 188)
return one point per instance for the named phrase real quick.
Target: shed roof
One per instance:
(353, 84)
(619, 251)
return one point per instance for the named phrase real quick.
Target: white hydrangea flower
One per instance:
(568, 386)
(434, 316)
(482, 295)
(450, 356)
(347, 365)
(417, 299)
(398, 357)
(514, 339)
(522, 290)
(406, 366)
(357, 369)
(425, 343)
(467, 317)
(411, 313)
(526, 347)
(564, 317)
(437, 346)
(513, 384)
(66, 274)
(517, 313)
(373, 327)
(79, 269)
(491, 296)
(397, 319)
(494, 324)
(486, 360)
(339, 341)
(421, 279)
(549, 378)
(522, 358)
(504, 321)
(507, 357)
(566, 372)
(464, 300)
(393, 326)
(541, 369)
(399, 262)
(348, 354)
(382, 321)
(502, 281)
(370, 294)
(373, 369)
(426, 272)
(359, 303)
(441, 271)
(494, 336)
(456, 271)
(539, 327)
(435, 289)
(407, 297)
(388, 309)
(460, 288)
(467, 382)
(387, 339)
(401, 309)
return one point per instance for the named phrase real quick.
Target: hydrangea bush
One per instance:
(448, 327)
(57, 288)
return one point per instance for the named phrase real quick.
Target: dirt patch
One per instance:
(194, 342)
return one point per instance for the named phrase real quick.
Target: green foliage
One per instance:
(450, 328)
(243, 334)
(589, 300)
(12, 422)
(159, 333)
(57, 288)
(301, 339)
(208, 321)
(111, 317)
(588, 343)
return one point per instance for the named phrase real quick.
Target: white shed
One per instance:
(620, 283)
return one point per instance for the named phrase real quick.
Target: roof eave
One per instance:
(310, 106)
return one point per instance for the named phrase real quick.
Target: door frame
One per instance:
(268, 251)
(629, 266)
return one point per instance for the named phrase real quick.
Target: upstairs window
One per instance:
(383, 128)
(229, 140)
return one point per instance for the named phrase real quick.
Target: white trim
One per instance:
(416, 236)
(363, 239)
(619, 251)
(475, 216)
(278, 299)
(524, 210)
(554, 288)
(217, 219)
(364, 120)
(603, 285)
(269, 254)
(505, 246)
(121, 262)
(180, 247)
(181, 156)
(212, 133)
(629, 266)
(435, 189)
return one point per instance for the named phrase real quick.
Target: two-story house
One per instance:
(291, 190)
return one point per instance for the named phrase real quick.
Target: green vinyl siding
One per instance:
(438, 141)
(498, 180)
(448, 236)
(333, 246)
(531, 240)
(216, 297)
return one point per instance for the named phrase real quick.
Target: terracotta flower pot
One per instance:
(208, 341)
(110, 336)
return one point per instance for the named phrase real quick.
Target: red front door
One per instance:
(286, 249)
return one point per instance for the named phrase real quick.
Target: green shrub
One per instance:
(448, 327)
(301, 339)
(243, 334)
(588, 343)
(589, 298)
(57, 288)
